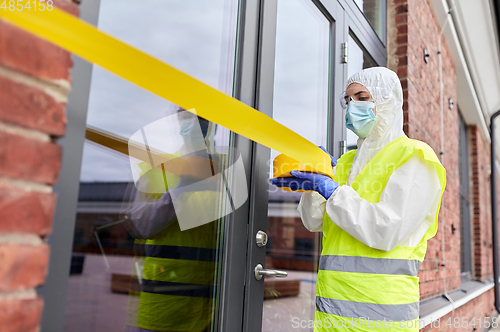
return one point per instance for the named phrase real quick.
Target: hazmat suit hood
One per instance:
(385, 88)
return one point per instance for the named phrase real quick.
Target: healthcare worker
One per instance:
(177, 269)
(376, 216)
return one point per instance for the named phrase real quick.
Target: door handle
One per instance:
(260, 271)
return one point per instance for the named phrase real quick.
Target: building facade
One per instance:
(68, 235)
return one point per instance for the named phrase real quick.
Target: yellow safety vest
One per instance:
(177, 287)
(360, 288)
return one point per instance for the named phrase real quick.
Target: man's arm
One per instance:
(149, 214)
(312, 210)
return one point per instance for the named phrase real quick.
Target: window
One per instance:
(465, 231)
(358, 59)
(374, 11)
(114, 276)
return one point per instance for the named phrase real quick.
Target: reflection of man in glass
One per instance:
(176, 285)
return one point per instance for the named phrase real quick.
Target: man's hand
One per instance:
(334, 160)
(323, 184)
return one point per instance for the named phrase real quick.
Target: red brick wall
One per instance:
(34, 83)
(417, 28)
(282, 252)
(412, 26)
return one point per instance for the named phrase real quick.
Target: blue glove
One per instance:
(334, 161)
(323, 184)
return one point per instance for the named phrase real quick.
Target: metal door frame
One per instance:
(344, 17)
(55, 289)
(356, 22)
(259, 195)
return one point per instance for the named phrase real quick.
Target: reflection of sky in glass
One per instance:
(358, 60)
(301, 70)
(359, 3)
(354, 65)
(374, 13)
(196, 36)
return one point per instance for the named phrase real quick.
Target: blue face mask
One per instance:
(360, 118)
(189, 126)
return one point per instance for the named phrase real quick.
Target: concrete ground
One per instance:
(92, 307)
(288, 313)
(90, 304)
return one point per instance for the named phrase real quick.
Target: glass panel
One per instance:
(359, 59)
(140, 257)
(374, 11)
(301, 104)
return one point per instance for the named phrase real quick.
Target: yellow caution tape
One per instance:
(86, 41)
(283, 164)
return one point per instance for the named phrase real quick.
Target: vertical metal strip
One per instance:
(494, 210)
(236, 232)
(61, 240)
(259, 187)
(340, 31)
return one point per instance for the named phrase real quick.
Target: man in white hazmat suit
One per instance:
(376, 216)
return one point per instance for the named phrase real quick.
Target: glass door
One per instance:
(319, 44)
(155, 191)
(303, 89)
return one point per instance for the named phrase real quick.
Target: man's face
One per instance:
(185, 116)
(358, 92)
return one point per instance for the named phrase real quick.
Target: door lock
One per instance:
(261, 239)
(260, 271)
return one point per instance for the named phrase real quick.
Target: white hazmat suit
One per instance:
(407, 205)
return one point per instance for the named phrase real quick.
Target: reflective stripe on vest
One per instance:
(176, 288)
(180, 252)
(372, 311)
(369, 265)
